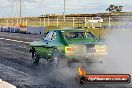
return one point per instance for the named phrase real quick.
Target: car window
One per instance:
(51, 36)
(90, 35)
(74, 34)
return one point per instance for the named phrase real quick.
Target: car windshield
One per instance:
(50, 36)
(75, 35)
(79, 35)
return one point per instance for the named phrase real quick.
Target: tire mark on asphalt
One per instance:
(23, 64)
(20, 78)
(25, 68)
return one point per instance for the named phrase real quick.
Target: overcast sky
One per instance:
(39, 7)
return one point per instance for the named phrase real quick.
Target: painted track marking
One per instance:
(14, 40)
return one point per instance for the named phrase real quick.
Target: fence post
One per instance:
(100, 24)
(73, 22)
(20, 20)
(17, 21)
(109, 22)
(40, 22)
(92, 22)
(44, 22)
(23, 20)
(57, 21)
(7, 22)
(26, 22)
(85, 22)
(48, 21)
(64, 18)
(12, 22)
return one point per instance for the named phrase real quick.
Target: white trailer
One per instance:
(95, 20)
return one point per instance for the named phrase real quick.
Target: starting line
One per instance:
(14, 40)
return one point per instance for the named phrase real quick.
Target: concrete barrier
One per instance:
(35, 30)
(10, 29)
(29, 30)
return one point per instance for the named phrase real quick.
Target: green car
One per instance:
(73, 44)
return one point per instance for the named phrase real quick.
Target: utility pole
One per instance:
(20, 8)
(64, 10)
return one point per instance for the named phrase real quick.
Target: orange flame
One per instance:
(81, 71)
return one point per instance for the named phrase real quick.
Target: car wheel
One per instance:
(35, 58)
(55, 56)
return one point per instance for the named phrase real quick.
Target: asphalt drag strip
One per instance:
(16, 67)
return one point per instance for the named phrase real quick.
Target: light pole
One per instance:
(20, 8)
(64, 10)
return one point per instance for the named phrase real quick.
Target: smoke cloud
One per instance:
(119, 47)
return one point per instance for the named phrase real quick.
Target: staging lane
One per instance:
(17, 68)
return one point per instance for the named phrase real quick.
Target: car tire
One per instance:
(35, 58)
(55, 56)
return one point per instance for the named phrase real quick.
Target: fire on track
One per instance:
(14, 40)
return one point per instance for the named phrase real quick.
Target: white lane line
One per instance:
(27, 42)
(2, 38)
(7, 39)
(19, 41)
(14, 40)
